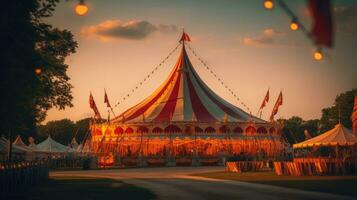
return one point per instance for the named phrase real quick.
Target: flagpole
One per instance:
(260, 116)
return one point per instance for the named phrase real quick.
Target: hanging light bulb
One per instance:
(81, 8)
(294, 25)
(268, 4)
(38, 71)
(318, 55)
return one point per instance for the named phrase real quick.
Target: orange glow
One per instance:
(148, 144)
(38, 71)
(318, 55)
(81, 9)
(294, 26)
(268, 4)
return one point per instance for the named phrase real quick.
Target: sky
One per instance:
(250, 48)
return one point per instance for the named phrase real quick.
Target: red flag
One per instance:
(106, 99)
(93, 106)
(278, 103)
(354, 117)
(322, 31)
(265, 100)
(185, 37)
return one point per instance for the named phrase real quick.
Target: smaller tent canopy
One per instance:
(32, 143)
(51, 146)
(18, 143)
(4, 145)
(74, 144)
(339, 135)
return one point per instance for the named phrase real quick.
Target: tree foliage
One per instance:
(64, 130)
(28, 44)
(294, 127)
(340, 111)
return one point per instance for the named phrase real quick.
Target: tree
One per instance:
(29, 44)
(340, 111)
(60, 130)
(64, 130)
(294, 127)
(291, 128)
(82, 127)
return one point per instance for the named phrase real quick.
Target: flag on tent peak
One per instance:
(185, 37)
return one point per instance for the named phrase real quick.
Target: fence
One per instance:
(247, 166)
(317, 166)
(62, 163)
(16, 176)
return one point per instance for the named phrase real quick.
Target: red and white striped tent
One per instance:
(181, 117)
(184, 96)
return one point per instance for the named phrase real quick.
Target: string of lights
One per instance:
(219, 79)
(295, 23)
(146, 77)
(81, 8)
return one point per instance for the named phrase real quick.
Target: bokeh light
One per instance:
(268, 4)
(81, 9)
(294, 26)
(318, 55)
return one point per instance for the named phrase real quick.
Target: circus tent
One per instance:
(21, 145)
(339, 135)
(16, 150)
(184, 117)
(51, 146)
(73, 144)
(184, 96)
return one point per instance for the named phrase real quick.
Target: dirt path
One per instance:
(176, 183)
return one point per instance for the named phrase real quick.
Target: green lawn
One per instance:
(342, 185)
(72, 188)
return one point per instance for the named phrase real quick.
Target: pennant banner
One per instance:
(265, 100)
(278, 103)
(93, 106)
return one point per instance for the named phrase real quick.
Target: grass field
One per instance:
(342, 185)
(72, 188)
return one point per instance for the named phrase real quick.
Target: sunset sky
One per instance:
(250, 48)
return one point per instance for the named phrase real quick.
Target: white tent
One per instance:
(16, 150)
(21, 145)
(51, 146)
(74, 144)
(4, 146)
(339, 135)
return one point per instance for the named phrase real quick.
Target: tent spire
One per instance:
(185, 37)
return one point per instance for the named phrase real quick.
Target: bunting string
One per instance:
(147, 77)
(294, 18)
(209, 69)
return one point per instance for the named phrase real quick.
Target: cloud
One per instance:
(269, 32)
(267, 38)
(260, 41)
(130, 30)
(346, 19)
